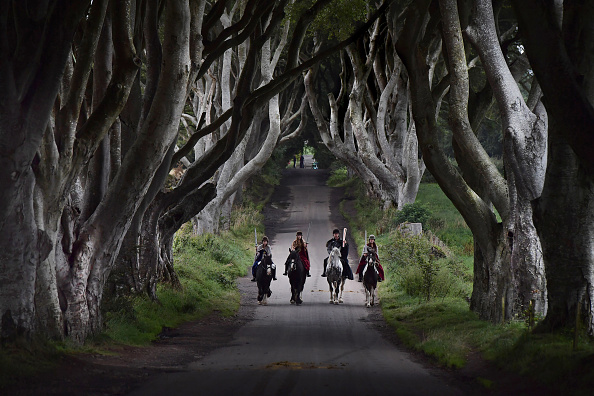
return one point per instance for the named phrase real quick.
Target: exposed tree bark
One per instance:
(101, 236)
(344, 149)
(34, 48)
(563, 215)
(525, 159)
(491, 285)
(559, 72)
(389, 181)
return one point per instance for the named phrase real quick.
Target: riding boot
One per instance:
(307, 272)
(254, 279)
(324, 273)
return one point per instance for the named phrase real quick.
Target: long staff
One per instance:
(256, 238)
(344, 236)
(307, 239)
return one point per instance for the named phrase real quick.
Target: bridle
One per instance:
(294, 257)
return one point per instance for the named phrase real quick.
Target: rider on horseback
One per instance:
(300, 246)
(370, 248)
(261, 250)
(336, 241)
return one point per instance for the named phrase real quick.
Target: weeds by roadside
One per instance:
(207, 266)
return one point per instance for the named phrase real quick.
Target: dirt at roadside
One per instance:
(128, 367)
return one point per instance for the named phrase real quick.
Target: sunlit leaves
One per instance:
(337, 20)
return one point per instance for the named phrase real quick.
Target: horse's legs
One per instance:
(341, 283)
(331, 292)
(259, 295)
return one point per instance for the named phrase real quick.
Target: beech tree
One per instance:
(558, 41)
(507, 276)
(369, 128)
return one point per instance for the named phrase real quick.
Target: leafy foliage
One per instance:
(337, 20)
(420, 274)
(413, 213)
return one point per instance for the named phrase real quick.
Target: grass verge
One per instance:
(426, 300)
(207, 266)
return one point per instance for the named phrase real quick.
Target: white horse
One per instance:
(335, 276)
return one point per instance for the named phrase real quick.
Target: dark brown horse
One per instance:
(263, 278)
(370, 279)
(296, 273)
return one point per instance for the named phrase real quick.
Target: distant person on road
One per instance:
(370, 248)
(301, 161)
(294, 160)
(301, 247)
(337, 241)
(261, 250)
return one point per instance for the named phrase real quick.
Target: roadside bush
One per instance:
(338, 177)
(421, 275)
(413, 213)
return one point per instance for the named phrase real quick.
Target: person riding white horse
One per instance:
(336, 241)
(335, 276)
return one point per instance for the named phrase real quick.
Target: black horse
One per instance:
(370, 279)
(263, 278)
(296, 273)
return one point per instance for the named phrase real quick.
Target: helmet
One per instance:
(372, 237)
(299, 233)
(264, 238)
(336, 231)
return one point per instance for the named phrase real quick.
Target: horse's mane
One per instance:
(335, 253)
(294, 254)
(335, 249)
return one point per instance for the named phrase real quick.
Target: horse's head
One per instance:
(370, 260)
(293, 259)
(335, 255)
(267, 263)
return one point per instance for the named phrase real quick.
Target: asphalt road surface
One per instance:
(313, 349)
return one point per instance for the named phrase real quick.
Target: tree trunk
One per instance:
(558, 43)
(493, 294)
(30, 75)
(98, 244)
(564, 218)
(525, 162)
(491, 267)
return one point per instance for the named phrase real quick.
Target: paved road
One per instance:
(312, 349)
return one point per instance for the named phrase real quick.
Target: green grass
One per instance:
(446, 222)
(207, 266)
(444, 327)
